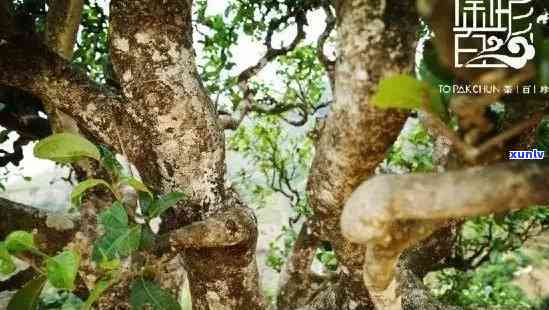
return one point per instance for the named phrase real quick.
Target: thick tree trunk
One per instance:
(152, 54)
(167, 127)
(376, 39)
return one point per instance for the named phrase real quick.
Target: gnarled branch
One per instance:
(27, 64)
(392, 213)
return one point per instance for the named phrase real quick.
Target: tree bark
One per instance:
(392, 213)
(166, 125)
(298, 283)
(152, 54)
(376, 39)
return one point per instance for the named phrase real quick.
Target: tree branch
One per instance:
(62, 26)
(27, 64)
(168, 99)
(329, 65)
(247, 74)
(357, 135)
(392, 213)
(297, 283)
(16, 216)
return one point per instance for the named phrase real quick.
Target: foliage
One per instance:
(65, 148)
(325, 254)
(91, 52)
(148, 295)
(280, 157)
(277, 253)
(121, 237)
(27, 297)
(487, 257)
(411, 152)
(489, 285)
(62, 269)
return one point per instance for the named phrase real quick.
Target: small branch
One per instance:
(510, 133)
(329, 64)
(247, 74)
(297, 280)
(62, 26)
(468, 152)
(272, 53)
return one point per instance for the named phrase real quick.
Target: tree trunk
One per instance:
(152, 54)
(376, 39)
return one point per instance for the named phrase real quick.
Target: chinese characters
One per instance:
(493, 33)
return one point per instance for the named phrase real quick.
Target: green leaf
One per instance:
(27, 298)
(405, 92)
(65, 148)
(19, 241)
(62, 269)
(136, 184)
(145, 202)
(146, 293)
(114, 218)
(72, 303)
(163, 203)
(110, 265)
(399, 91)
(109, 161)
(119, 239)
(83, 186)
(101, 286)
(7, 266)
(114, 245)
(147, 238)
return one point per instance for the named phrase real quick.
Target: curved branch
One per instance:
(272, 53)
(392, 213)
(329, 65)
(245, 75)
(27, 64)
